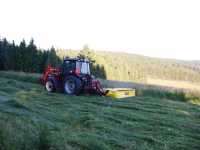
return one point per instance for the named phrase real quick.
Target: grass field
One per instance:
(174, 84)
(31, 118)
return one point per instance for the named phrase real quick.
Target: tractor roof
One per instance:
(76, 59)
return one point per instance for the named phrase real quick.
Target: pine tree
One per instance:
(32, 65)
(1, 55)
(52, 58)
(22, 56)
(4, 58)
(87, 53)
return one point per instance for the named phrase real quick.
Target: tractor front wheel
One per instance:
(49, 85)
(72, 85)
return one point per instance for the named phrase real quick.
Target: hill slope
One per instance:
(136, 68)
(31, 118)
(155, 67)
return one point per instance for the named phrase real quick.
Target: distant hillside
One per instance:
(159, 68)
(132, 67)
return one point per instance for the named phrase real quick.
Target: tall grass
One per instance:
(172, 95)
(21, 76)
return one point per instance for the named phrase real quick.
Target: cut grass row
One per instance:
(31, 118)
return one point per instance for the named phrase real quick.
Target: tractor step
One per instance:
(120, 92)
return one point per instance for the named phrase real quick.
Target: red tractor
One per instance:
(73, 78)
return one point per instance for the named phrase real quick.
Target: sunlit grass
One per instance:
(31, 118)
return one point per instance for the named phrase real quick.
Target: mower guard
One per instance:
(120, 92)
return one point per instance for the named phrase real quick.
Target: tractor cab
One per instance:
(79, 67)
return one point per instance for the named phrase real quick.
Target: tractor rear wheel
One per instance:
(49, 85)
(72, 85)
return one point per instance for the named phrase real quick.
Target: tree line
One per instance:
(27, 57)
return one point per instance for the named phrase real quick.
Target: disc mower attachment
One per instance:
(120, 92)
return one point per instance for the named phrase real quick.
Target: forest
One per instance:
(27, 57)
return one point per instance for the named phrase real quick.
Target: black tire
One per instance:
(50, 86)
(72, 85)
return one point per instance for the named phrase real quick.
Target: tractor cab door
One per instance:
(68, 67)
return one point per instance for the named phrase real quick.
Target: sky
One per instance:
(158, 28)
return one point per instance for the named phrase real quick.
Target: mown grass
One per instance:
(31, 118)
(21, 76)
